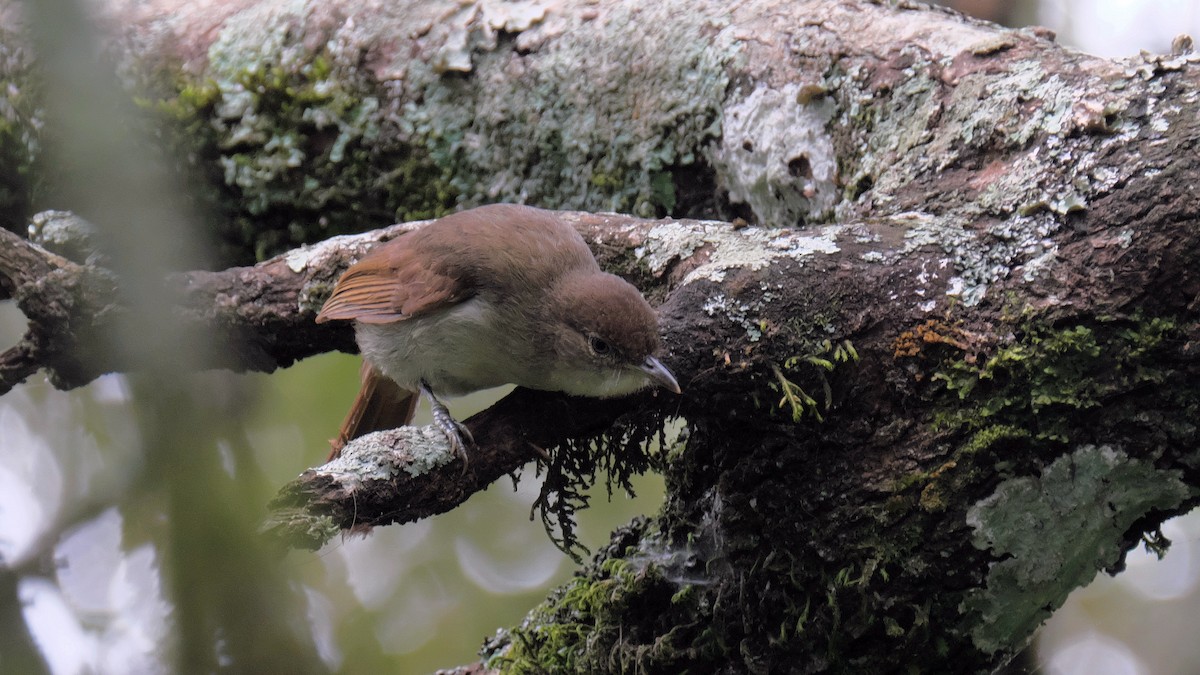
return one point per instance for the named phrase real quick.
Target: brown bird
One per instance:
(499, 294)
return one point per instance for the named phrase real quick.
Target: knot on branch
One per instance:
(69, 307)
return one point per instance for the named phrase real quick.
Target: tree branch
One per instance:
(1012, 259)
(411, 473)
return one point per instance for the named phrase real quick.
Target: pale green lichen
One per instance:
(987, 238)
(1050, 159)
(728, 248)
(1051, 533)
(383, 454)
(301, 258)
(980, 261)
(297, 259)
(477, 25)
(738, 311)
(549, 135)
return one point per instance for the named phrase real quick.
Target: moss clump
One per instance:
(583, 628)
(21, 118)
(295, 153)
(1042, 381)
(1043, 391)
(824, 359)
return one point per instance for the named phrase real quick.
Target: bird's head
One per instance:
(605, 337)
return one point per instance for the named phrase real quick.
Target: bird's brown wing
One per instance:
(381, 404)
(392, 283)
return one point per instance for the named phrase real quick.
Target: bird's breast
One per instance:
(471, 346)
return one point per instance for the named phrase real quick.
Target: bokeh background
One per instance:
(91, 562)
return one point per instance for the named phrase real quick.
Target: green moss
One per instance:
(294, 153)
(1036, 382)
(571, 631)
(1037, 392)
(822, 360)
(606, 181)
(662, 191)
(21, 118)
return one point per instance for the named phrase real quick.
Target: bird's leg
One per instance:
(454, 430)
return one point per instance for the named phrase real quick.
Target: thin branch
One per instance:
(23, 262)
(17, 364)
(406, 474)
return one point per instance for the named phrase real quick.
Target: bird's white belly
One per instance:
(456, 351)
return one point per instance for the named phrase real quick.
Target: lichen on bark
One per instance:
(1095, 493)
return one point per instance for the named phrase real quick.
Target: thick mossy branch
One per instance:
(853, 577)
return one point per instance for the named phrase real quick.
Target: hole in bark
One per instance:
(861, 186)
(800, 167)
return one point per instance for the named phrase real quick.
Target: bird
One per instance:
(498, 294)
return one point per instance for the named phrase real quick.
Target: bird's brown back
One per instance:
(500, 250)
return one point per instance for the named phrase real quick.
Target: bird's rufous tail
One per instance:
(380, 404)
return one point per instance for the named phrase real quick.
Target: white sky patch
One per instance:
(1120, 27)
(66, 646)
(1095, 654)
(523, 564)
(321, 619)
(116, 594)
(375, 565)
(30, 478)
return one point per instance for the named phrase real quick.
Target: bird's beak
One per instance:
(659, 374)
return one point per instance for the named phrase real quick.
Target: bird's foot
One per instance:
(459, 435)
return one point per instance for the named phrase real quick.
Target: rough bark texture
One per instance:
(964, 380)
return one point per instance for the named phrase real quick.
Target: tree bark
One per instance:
(940, 366)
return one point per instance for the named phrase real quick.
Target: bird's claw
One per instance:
(458, 434)
(454, 430)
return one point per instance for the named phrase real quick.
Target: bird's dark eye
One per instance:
(598, 346)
